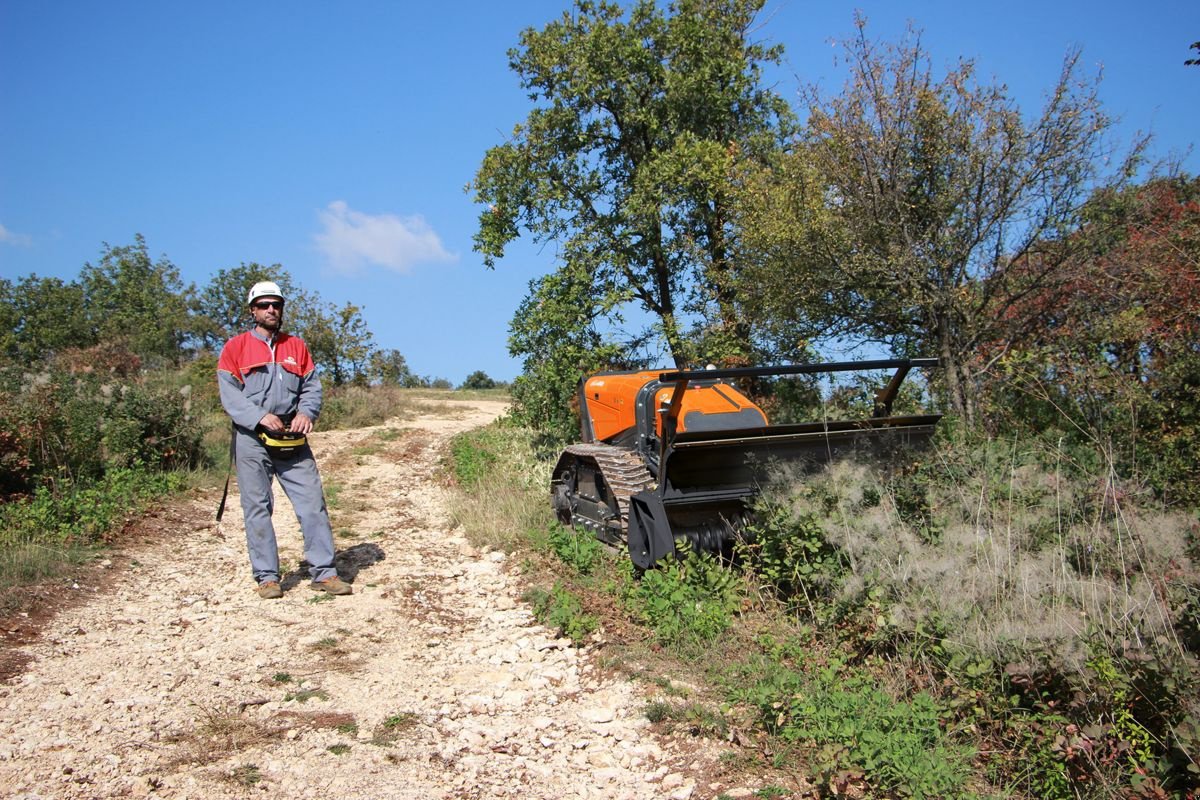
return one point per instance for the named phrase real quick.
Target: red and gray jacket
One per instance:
(257, 376)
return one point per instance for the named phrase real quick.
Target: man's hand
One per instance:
(301, 423)
(272, 423)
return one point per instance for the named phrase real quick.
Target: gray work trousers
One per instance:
(302, 484)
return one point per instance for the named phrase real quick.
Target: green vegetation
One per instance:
(562, 611)
(981, 621)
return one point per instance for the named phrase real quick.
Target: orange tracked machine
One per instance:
(679, 455)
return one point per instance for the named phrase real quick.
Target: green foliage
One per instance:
(130, 297)
(851, 724)
(1013, 576)
(561, 610)
(624, 164)
(582, 551)
(941, 184)
(40, 317)
(478, 380)
(791, 553)
(1113, 365)
(685, 602)
(221, 303)
(76, 419)
(556, 331)
(46, 530)
(390, 368)
(338, 338)
(473, 456)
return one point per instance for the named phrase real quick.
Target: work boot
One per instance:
(270, 590)
(334, 585)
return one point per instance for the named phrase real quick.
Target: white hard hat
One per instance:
(264, 289)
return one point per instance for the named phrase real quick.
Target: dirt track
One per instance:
(432, 681)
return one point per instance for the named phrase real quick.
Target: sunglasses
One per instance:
(264, 305)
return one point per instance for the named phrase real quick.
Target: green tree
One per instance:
(478, 380)
(144, 302)
(338, 338)
(556, 333)
(221, 304)
(390, 368)
(40, 317)
(624, 163)
(909, 198)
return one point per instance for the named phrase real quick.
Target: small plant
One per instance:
(850, 725)
(686, 601)
(561, 610)
(338, 749)
(400, 721)
(281, 677)
(333, 492)
(304, 695)
(695, 718)
(791, 552)
(348, 728)
(323, 597)
(388, 731)
(581, 551)
(246, 775)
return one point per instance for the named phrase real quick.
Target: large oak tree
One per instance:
(624, 162)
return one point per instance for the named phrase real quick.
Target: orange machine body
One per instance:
(615, 401)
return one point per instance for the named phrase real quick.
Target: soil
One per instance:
(158, 672)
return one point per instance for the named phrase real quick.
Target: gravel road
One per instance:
(172, 679)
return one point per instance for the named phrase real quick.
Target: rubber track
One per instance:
(622, 469)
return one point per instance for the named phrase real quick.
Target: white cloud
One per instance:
(18, 239)
(352, 239)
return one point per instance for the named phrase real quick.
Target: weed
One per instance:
(322, 597)
(389, 731)
(851, 724)
(689, 601)
(581, 551)
(304, 695)
(246, 775)
(561, 610)
(400, 721)
(695, 718)
(281, 677)
(339, 749)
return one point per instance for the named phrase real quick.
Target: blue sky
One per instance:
(337, 139)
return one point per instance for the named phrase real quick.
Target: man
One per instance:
(269, 387)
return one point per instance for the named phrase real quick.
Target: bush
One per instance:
(1080, 595)
(686, 602)
(72, 422)
(855, 731)
(562, 611)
